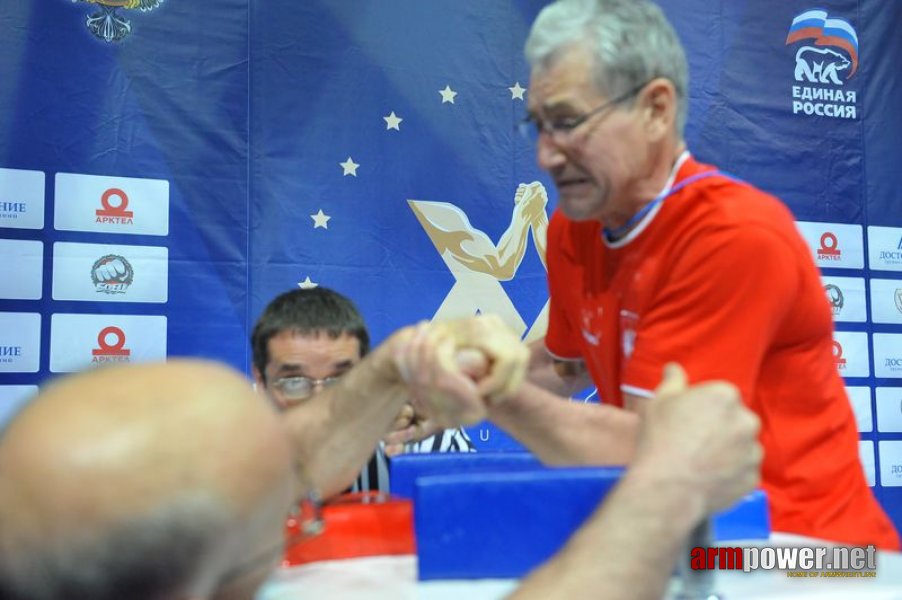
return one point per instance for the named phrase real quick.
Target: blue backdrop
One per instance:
(323, 142)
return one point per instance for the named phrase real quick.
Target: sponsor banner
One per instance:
(110, 273)
(12, 397)
(82, 341)
(111, 204)
(890, 463)
(886, 301)
(889, 409)
(885, 248)
(847, 298)
(21, 199)
(888, 355)
(860, 397)
(21, 269)
(20, 342)
(868, 462)
(850, 352)
(834, 245)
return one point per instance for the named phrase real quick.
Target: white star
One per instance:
(307, 284)
(320, 219)
(349, 167)
(517, 91)
(447, 94)
(393, 121)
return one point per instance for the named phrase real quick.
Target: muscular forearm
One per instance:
(562, 378)
(335, 432)
(628, 548)
(562, 432)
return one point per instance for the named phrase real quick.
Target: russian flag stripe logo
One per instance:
(815, 25)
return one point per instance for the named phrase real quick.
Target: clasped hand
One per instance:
(453, 371)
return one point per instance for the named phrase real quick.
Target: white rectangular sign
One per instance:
(12, 397)
(108, 273)
(850, 352)
(885, 248)
(886, 300)
(111, 204)
(82, 341)
(847, 298)
(868, 464)
(834, 245)
(889, 409)
(860, 397)
(20, 342)
(890, 463)
(21, 269)
(888, 355)
(21, 199)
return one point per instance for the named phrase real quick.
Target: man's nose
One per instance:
(548, 153)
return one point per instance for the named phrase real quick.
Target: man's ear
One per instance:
(658, 102)
(258, 378)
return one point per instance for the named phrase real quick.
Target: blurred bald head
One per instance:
(150, 481)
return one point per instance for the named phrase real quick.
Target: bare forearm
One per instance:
(563, 378)
(562, 432)
(337, 430)
(628, 548)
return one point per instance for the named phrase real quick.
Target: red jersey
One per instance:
(717, 278)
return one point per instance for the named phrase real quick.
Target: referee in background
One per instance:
(305, 340)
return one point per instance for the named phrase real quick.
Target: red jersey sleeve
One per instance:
(716, 309)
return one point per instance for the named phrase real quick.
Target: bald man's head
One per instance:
(148, 481)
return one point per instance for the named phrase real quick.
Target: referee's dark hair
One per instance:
(307, 312)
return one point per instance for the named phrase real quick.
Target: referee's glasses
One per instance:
(300, 388)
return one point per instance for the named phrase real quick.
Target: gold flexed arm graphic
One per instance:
(457, 240)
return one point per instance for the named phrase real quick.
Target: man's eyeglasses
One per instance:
(301, 388)
(559, 129)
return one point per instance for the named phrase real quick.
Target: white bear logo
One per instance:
(820, 65)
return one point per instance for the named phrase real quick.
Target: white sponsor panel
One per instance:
(12, 397)
(110, 273)
(82, 341)
(21, 269)
(868, 464)
(885, 248)
(888, 355)
(834, 245)
(21, 199)
(111, 204)
(890, 463)
(850, 351)
(20, 342)
(886, 300)
(860, 397)
(847, 298)
(889, 409)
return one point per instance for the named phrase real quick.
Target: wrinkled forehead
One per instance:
(318, 348)
(567, 76)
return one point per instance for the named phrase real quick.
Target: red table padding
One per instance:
(359, 524)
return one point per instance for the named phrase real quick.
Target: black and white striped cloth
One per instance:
(374, 476)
